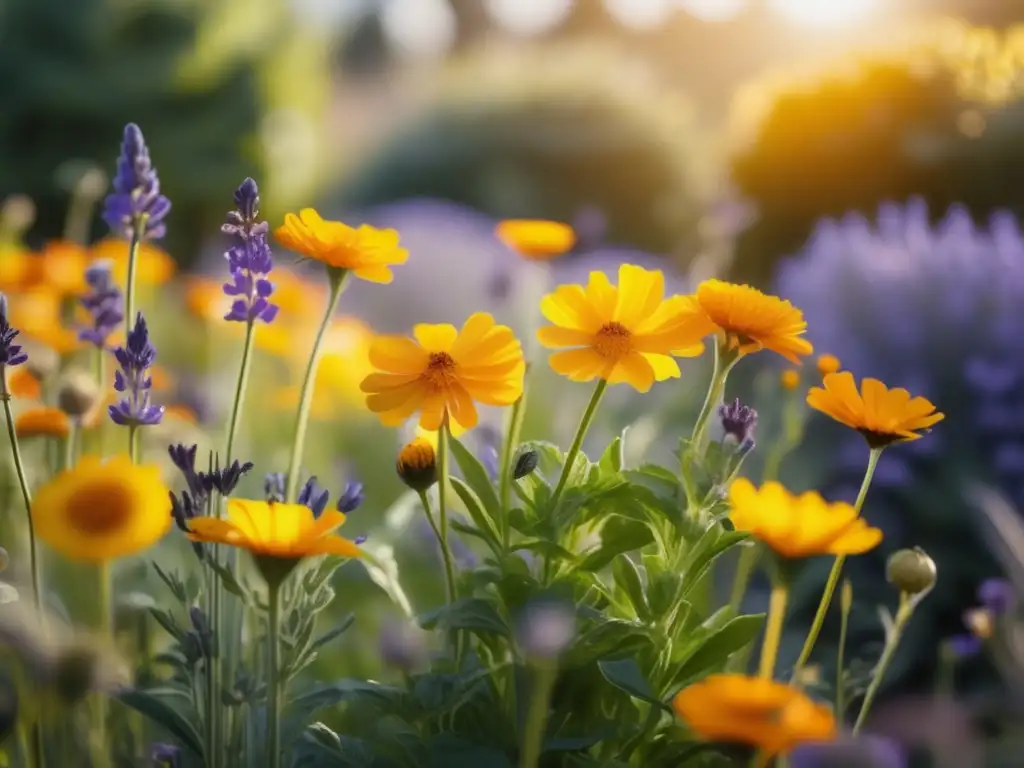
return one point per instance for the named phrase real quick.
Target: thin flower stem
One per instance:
(508, 452)
(105, 629)
(103, 388)
(449, 570)
(240, 388)
(776, 617)
(274, 673)
(443, 469)
(338, 282)
(844, 622)
(70, 445)
(903, 614)
(833, 576)
(544, 676)
(19, 468)
(577, 441)
(133, 443)
(719, 373)
(138, 227)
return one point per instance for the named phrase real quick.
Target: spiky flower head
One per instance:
(249, 259)
(103, 302)
(10, 353)
(136, 202)
(738, 421)
(133, 379)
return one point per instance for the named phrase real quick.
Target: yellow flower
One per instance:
(828, 364)
(17, 268)
(206, 301)
(368, 252)
(751, 320)
(790, 379)
(625, 334)
(42, 422)
(62, 267)
(799, 526)
(765, 714)
(884, 416)
(102, 510)
(536, 240)
(279, 531)
(444, 371)
(153, 265)
(417, 464)
(36, 312)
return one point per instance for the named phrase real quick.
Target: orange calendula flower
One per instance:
(624, 334)
(22, 384)
(799, 526)
(751, 320)
(368, 252)
(181, 413)
(153, 266)
(765, 714)
(42, 422)
(536, 240)
(827, 364)
(102, 510)
(17, 268)
(36, 312)
(882, 415)
(61, 267)
(445, 371)
(282, 531)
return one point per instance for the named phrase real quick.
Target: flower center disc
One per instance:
(440, 370)
(99, 509)
(612, 341)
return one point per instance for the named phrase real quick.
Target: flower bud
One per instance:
(790, 379)
(78, 394)
(417, 464)
(351, 497)
(75, 673)
(828, 364)
(911, 571)
(526, 463)
(42, 361)
(738, 422)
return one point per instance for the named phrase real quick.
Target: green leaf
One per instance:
(163, 707)
(625, 675)
(611, 460)
(470, 613)
(486, 528)
(627, 577)
(173, 582)
(478, 479)
(617, 536)
(611, 638)
(450, 751)
(166, 620)
(715, 650)
(663, 591)
(227, 579)
(331, 634)
(546, 548)
(715, 542)
(383, 697)
(320, 747)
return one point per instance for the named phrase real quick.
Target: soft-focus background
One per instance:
(864, 158)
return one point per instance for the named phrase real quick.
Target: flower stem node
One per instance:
(911, 571)
(417, 465)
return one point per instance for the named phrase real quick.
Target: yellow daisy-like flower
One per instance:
(751, 320)
(445, 371)
(153, 266)
(42, 422)
(99, 510)
(799, 526)
(624, 334)
(765, 714)
(536, 240)
(882, 415)
(286, 532)
(368, 252)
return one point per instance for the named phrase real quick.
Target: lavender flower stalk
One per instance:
(133, 381)
(135, 209)
(104, 304)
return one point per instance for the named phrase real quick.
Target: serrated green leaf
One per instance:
(486, 528)
(173, 582)
(628, 579)
(712, 654)
(625, 674)
(164, 707)
(469, 613)
(166, 620)
(618, 535)
(227, 579)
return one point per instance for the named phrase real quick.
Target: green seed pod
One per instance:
(911, 571)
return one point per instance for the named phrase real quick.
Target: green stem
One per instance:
(508, 453)
(446, 556)
(240, 388)
(105, 629)
(844, 622)
(537, 714)
(338, 280)
(745, 566)
(723, 363)
(274, 673)
(577, 441)
(776, 616)
(78, 218)
(70, 444)
(138, 227)
(833, 576)
(103, 388)
(133, 443)
(19, 468)
(903, 615)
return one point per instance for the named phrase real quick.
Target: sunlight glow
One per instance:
(714, 10)
(824, 13)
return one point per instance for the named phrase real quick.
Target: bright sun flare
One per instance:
(824, 13)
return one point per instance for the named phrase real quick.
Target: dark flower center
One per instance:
(100, 508)
(612, 341)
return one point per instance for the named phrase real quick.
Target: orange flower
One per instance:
(790, 379)
(42, 422)
(152, 267)
(182, 413)
(882, 415)
(37, 314)
(62, 267)
(17, 269)
(23, 384)
(765, 714)
(828, 364)
(367, 252)
(536, 240)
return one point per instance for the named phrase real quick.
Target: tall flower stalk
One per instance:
(135, 209)
(134, 381)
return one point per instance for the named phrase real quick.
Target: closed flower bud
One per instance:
(417, 464)
(790, 379)
(75, 673)
(42, 361)
(828, 364)
(78, 394)
(526, 463)
(911, 571)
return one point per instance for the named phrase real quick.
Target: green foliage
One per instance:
(545, 136)
(198, 77)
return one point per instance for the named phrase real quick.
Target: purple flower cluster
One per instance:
(104, 304)
(133, 380)
(136, 201)
(738, 422)
(314, 495)
(249, 259)
(10, 353)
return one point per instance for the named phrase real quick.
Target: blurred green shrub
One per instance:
(548, 133)
(217, 86)
(939, 118)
